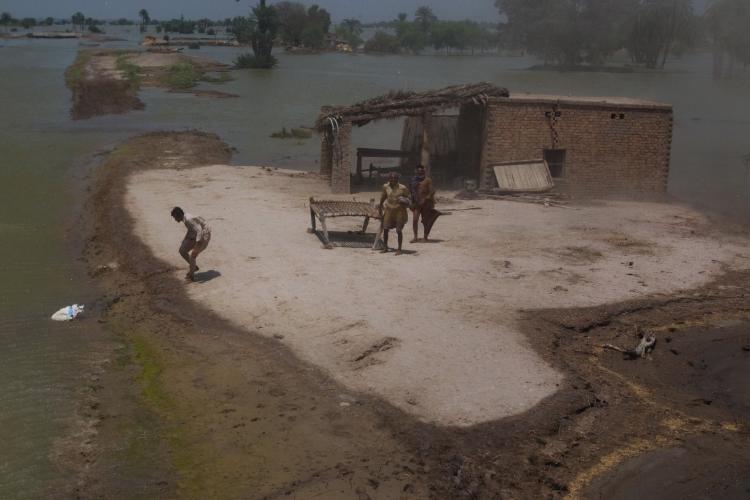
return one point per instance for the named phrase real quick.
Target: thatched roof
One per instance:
(410, 103)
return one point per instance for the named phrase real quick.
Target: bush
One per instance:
(194, 46)
(182, 75)
(95, 29)
(131, 72)
(383, 42)
(221, 77)
(245, 61)
(295, 133)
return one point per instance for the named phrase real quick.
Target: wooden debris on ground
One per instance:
(645, 346)
(551, 199)
(528, 176)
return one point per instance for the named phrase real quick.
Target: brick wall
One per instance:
(610, 148)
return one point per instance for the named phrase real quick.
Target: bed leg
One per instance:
(379, 237)
(326, 240)
(312, 222)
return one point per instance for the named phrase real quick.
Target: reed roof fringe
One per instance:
(409, 103)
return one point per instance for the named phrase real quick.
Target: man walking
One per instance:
(396, 198)
(423, 203)
(195, 241)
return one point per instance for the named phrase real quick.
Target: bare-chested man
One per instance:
(423, 203)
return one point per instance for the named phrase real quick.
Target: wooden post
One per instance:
(326, 240)
(312, 217)
(326, 156)
(341, 173)
(360, 178)
(426, 133)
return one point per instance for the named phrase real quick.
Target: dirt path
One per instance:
(240, 416)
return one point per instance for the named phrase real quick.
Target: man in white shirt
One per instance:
(195, 241)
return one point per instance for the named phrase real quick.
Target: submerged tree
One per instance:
(425, 18)
(28, 22)
(292, 22)
(78, 19)
(302, 26)
(145, 19)
(6, 19)
(572, 32)
(350, 30)
(318, 25)
(383, 42)
(409, 34)
(656, 26)
(727, 23)
(259, 30)
(566, 32)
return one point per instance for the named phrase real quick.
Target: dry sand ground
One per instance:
(434, 332)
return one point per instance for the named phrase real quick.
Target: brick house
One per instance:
(594, 146)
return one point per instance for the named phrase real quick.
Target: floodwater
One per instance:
(42, 150)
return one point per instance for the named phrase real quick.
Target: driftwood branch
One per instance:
(645, 346)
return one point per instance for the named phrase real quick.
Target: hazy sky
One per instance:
(365, 10)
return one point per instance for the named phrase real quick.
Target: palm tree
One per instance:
(425, 18)
(353, 26)
(5, 19)
(145, 19)
(78, 19)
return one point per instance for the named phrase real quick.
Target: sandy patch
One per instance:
(434, 333)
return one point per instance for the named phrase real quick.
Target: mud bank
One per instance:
(239, 415)
(108, 81)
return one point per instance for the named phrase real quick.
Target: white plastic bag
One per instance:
(68, 313)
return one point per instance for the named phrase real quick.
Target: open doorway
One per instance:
(555, 159)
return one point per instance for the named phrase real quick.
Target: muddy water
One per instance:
(40, 361)
(41, 151)
(704, 466)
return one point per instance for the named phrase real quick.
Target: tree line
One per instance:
(11, 23)
(562, 33)
(571, 33)
(290, 23)
(425, 31)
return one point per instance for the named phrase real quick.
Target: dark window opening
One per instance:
(555, 159)
(617, 116)
(550, 114)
